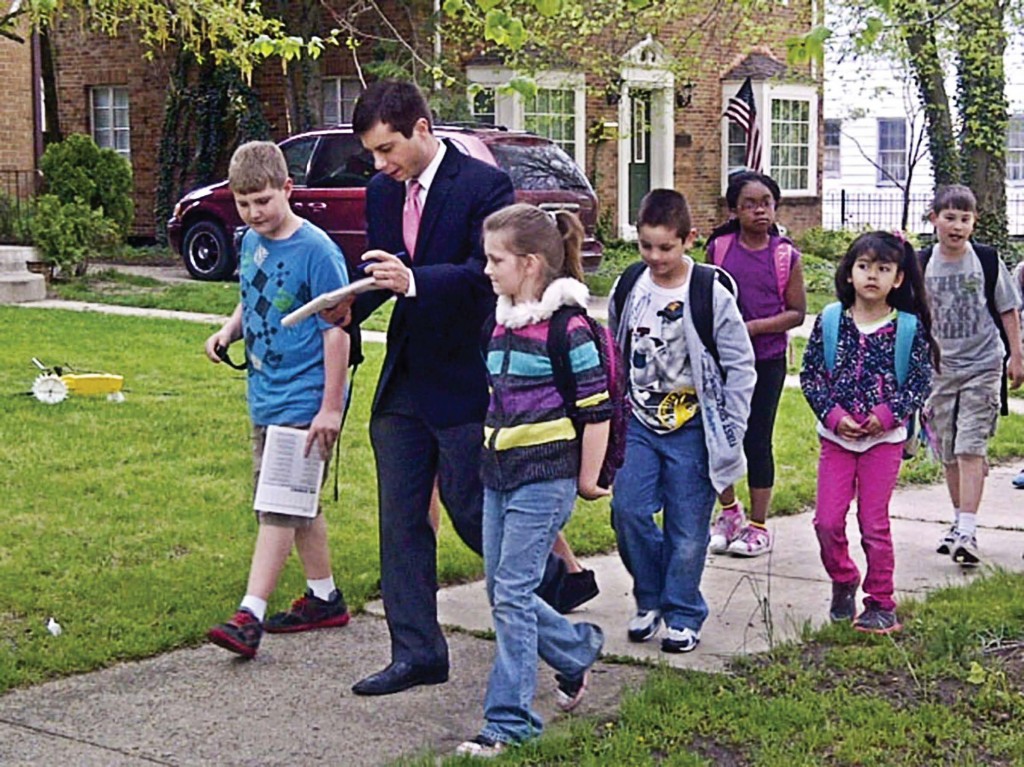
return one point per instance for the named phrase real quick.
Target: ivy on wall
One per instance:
(209, 111)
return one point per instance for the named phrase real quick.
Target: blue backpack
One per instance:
(906, 329)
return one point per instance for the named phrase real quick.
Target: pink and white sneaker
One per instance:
(726, 528)
(751, 542)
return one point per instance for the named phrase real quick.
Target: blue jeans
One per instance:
(519, 530)
(665, 472)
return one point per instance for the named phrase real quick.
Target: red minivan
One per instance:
(330, 171)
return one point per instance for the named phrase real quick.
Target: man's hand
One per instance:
(387, 270)
(323, 432)
(341, 313)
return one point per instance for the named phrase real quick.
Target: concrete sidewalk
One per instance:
(292, 704)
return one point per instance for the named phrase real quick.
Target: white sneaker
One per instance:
(752, 542)
(965, 550)
(946, 541)
(726, 528)
(644, 625)
(481, 747)
(680, 640)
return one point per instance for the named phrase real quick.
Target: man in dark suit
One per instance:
(425, 208)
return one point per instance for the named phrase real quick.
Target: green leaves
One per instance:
(807, 47)
(504, 29)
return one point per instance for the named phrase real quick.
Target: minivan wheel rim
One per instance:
(204, 251)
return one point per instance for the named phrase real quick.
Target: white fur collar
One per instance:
(565, 291)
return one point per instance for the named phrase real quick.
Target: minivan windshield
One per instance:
(538, 167)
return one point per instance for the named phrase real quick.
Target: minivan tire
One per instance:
(207, 252)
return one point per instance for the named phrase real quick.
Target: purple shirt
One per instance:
(754, 272)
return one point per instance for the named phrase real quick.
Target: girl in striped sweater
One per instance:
(534, 464)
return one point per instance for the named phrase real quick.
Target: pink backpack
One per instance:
(783, 256)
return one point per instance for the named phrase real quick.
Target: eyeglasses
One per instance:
(748, 205)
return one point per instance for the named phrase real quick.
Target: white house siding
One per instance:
(861, 92)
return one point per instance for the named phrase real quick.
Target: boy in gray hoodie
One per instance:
(684, 442)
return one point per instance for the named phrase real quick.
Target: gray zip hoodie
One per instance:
(724, 404)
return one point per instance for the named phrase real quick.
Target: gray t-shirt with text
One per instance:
(961, 323)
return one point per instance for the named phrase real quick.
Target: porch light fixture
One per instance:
(613, 91)
(684, 94)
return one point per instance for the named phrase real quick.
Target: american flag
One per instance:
(741, 110)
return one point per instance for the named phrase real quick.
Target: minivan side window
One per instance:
(539, 167)
(340, 161)
(296, 156)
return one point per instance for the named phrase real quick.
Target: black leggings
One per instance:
(757, 444)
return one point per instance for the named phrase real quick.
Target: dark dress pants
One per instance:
(409, 453)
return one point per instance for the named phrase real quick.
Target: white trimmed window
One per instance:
(108, 110)
(892, 151)
(833, 140)
(482, 105)
(339, 96)
(791, 144)
(1015, 149)
(557, 110)
(787, 118)
(552, 113)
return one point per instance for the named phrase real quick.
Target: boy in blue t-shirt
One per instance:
(296, 377)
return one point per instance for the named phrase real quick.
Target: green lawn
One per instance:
(130, 524)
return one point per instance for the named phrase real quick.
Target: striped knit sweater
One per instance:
(528, 436)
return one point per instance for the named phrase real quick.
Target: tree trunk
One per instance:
(981, 95)
(927, 70)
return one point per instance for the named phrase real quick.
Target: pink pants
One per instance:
(871, 476)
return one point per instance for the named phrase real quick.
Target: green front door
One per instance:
(640, 150)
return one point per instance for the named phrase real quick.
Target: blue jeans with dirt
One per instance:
(669, 473)
(520, 526)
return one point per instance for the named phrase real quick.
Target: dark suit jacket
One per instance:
(434, 338)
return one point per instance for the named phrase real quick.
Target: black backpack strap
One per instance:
(558, 351)
(486, 331)
(989, 258)
(702, 285)
(625, 284)
(355, 345)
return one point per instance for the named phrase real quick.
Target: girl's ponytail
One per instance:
(571, 230)
(913, 277)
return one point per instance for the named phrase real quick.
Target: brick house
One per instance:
(644, 130)
(20, 144)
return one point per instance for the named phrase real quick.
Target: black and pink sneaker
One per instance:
(240, 635)
(309, 612)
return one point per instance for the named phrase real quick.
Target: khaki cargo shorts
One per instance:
(259, 440)
(962, 412)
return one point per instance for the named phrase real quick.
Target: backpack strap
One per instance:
(702, 286)
(720, 247)
(830, 317)
(558, 352)
(906, 329)
(783, 257)
(625, 284)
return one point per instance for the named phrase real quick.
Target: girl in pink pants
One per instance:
(863, 376)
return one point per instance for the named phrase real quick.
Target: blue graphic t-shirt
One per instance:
(286, 365)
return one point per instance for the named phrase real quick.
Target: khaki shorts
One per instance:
(259, 440)
(962, 411)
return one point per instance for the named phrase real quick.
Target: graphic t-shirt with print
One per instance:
(661, 389)
(286, 365)
(961, 322)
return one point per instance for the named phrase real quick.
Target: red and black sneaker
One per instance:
(241, 634)
(309, 612)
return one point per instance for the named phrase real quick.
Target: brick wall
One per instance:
(85, 60)
(17, 122)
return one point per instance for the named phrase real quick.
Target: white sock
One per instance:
(255, 605)
(322, 588)
(967, 524)
(956, 517)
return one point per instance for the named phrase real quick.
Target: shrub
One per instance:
(77, 169)
(825, 243)
(67, 233)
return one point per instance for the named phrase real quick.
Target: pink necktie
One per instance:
(412, 211)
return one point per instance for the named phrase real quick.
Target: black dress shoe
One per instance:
(399, 676)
